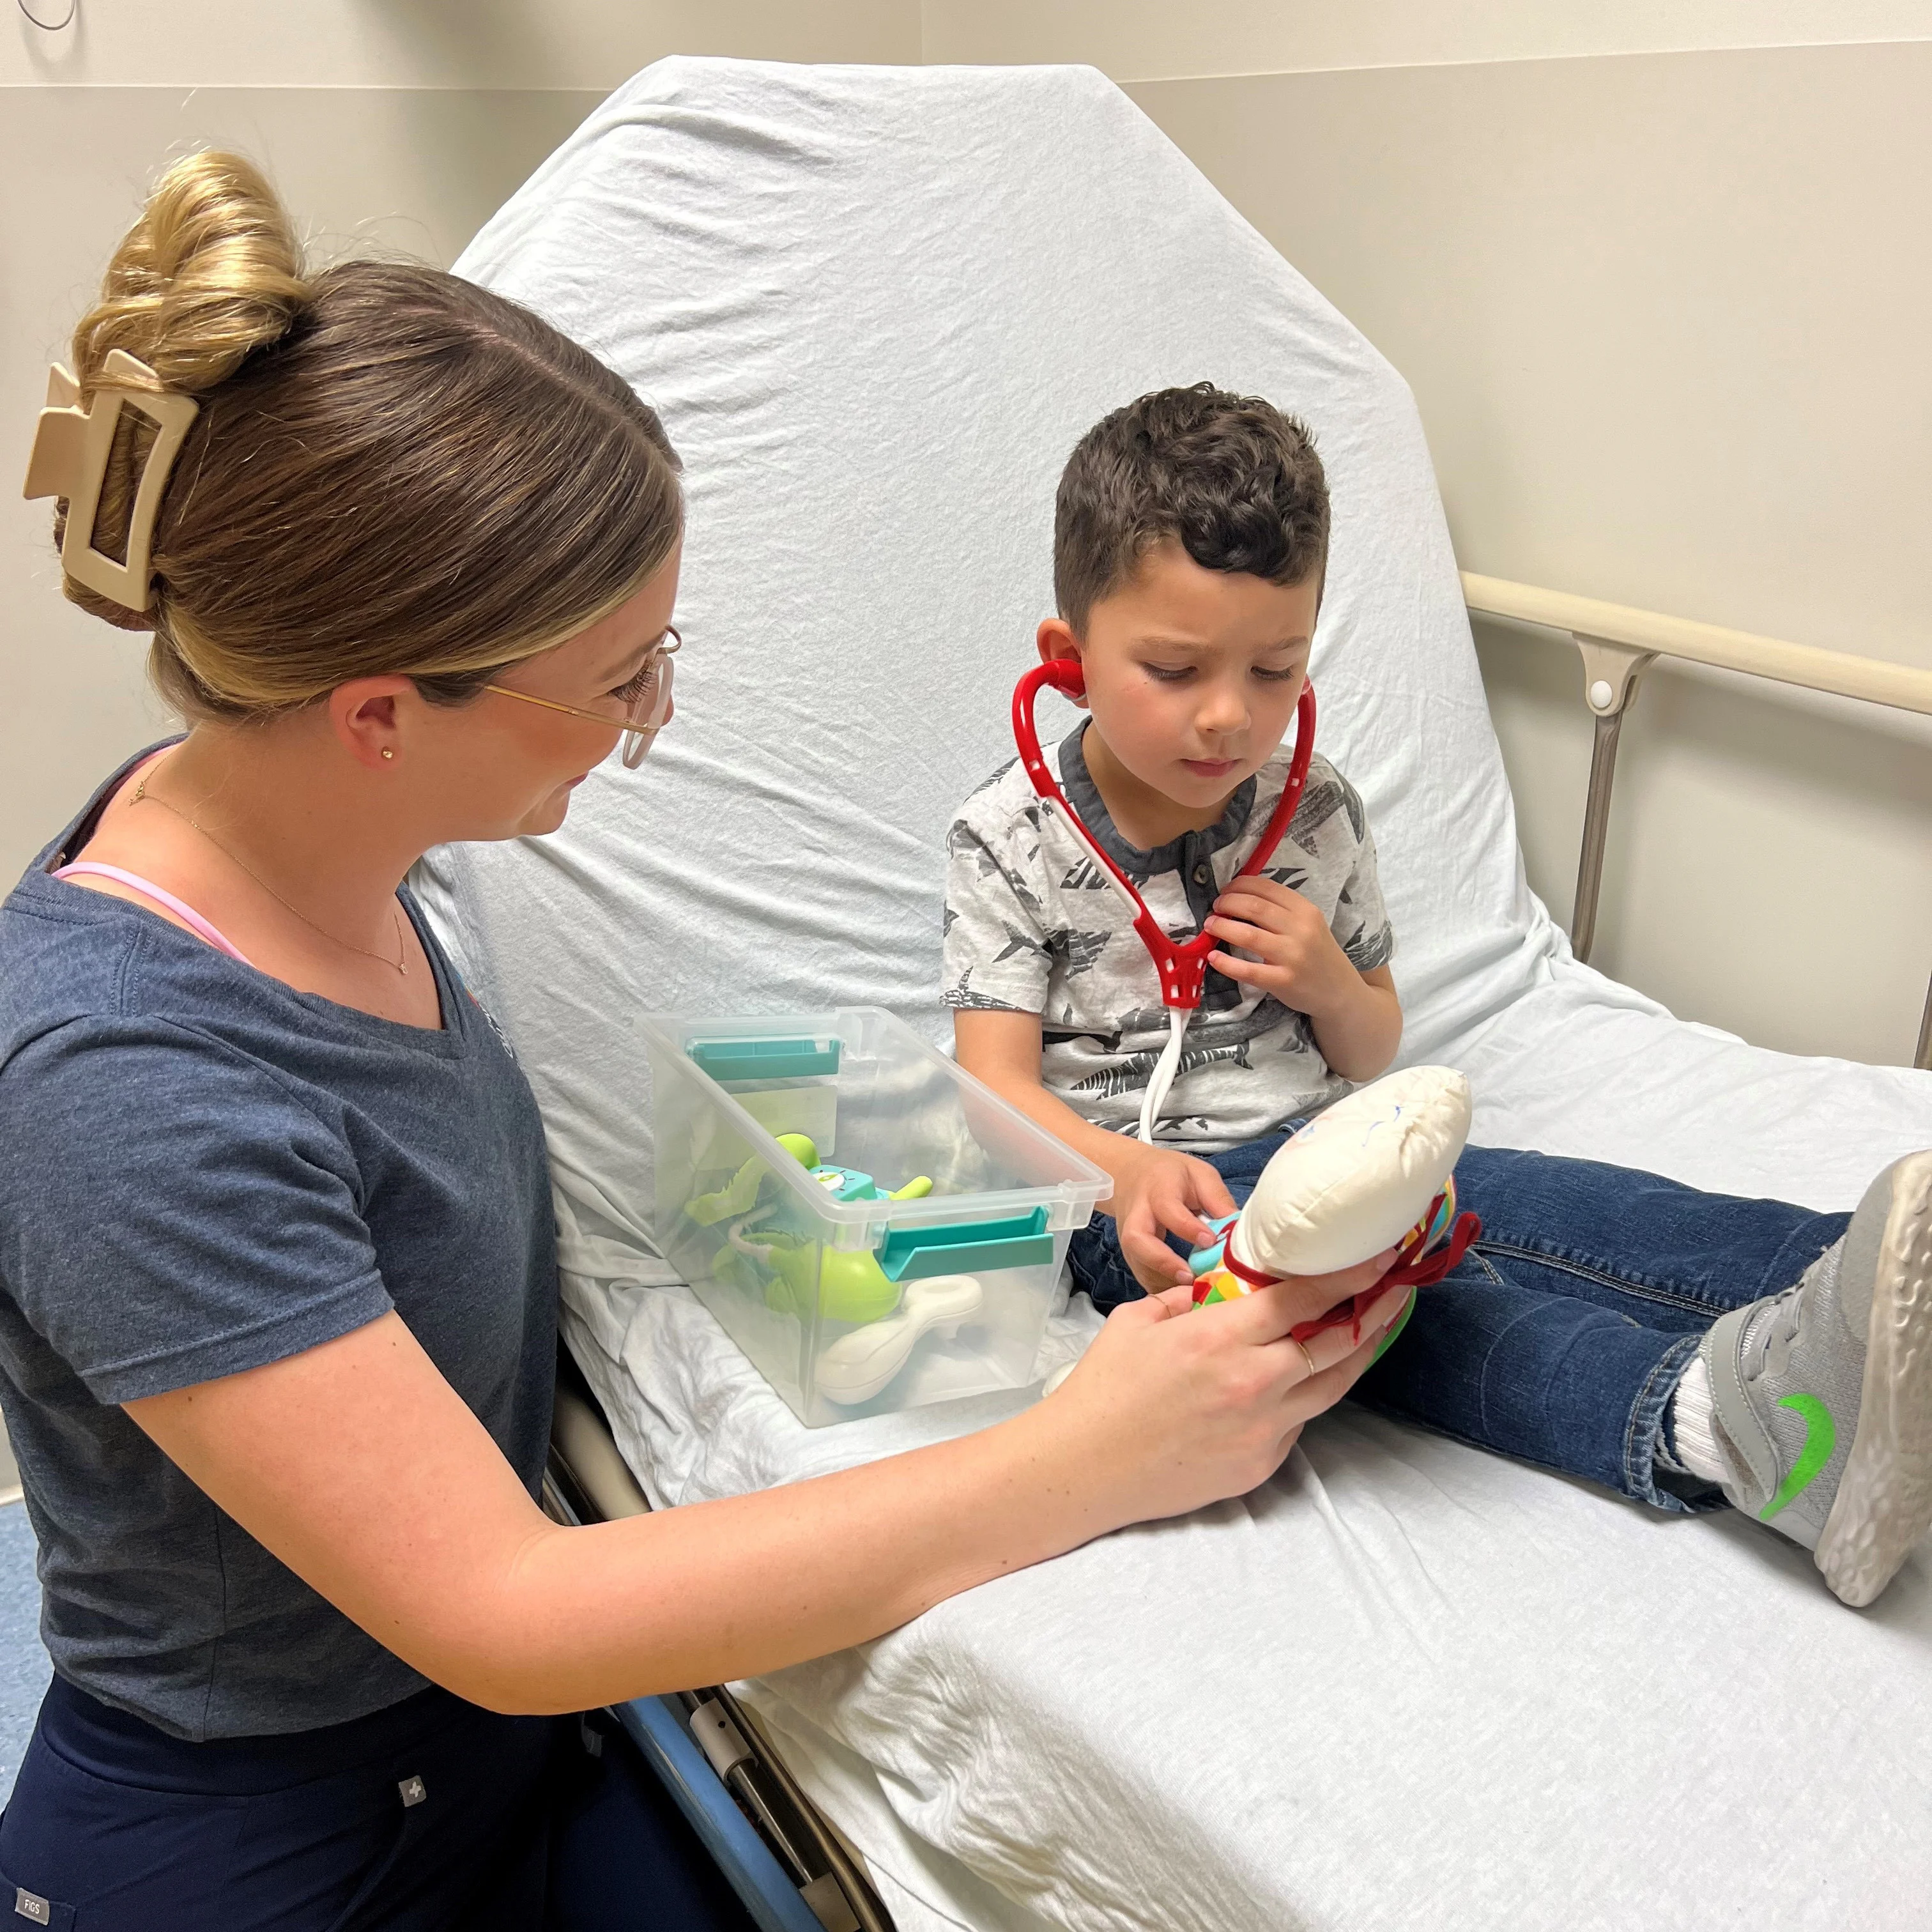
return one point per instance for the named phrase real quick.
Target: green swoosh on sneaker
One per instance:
(1821, 1436)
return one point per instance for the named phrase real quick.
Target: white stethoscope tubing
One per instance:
(1162, 1078)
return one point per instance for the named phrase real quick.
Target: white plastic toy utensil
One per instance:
(857, 1366)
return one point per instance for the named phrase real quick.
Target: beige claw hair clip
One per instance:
(71, 448)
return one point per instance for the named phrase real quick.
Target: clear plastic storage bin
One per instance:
(900, 1246)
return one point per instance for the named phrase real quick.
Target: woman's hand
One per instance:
(1185, 1407)
(1159, 1192)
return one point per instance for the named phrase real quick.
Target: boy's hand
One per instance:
(1157, 1192)
(1300, 961)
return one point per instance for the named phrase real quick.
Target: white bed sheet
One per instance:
(1404, 1683)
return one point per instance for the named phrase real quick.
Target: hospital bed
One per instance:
(1404, 1683)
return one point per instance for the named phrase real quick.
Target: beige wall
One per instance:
(1665, 314)
(460, 43)
(1144, 39)
(398, 124)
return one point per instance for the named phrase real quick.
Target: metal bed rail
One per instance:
(791, 1869)
(1618, 643)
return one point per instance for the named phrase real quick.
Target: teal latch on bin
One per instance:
(960, 1247)
(765, 1059)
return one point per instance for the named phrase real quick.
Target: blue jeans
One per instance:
(1561, 1337)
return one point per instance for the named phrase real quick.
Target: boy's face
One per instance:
(1193, 675)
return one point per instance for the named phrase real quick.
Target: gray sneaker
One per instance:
(1824, 1392)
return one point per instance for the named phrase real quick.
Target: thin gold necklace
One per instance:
(401, 962)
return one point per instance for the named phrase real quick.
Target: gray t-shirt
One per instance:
(1033, 926)
(202, 1171)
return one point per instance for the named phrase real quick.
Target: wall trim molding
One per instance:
(1130, 81)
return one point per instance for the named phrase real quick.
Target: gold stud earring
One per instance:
(387, 753)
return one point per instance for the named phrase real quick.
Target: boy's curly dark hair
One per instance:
(1233, 481)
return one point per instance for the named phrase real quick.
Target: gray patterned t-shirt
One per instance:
(1033, 926)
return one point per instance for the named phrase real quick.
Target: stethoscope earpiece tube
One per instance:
(1181, 965)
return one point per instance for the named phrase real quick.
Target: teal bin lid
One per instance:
(965, 1247)
(765, 1059)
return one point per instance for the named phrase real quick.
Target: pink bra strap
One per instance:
(186, 914)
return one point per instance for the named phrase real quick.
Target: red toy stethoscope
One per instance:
(1182, 964)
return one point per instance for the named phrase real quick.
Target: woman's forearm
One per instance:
(357, 1464)
(765, 1580)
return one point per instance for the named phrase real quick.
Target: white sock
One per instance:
(1693, 1425)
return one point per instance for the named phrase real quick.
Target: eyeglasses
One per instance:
(645, 699)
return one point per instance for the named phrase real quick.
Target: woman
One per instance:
(278, 1325)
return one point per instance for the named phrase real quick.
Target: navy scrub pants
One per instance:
(431, 1814)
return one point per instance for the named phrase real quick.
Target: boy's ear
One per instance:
(1056, 640)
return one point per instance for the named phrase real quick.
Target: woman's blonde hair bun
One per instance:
(211, 272)
(391, 469)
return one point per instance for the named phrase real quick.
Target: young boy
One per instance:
(1682, 1349)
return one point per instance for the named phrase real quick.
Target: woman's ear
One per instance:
(367, 719)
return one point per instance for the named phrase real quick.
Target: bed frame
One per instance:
(786, 1861)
